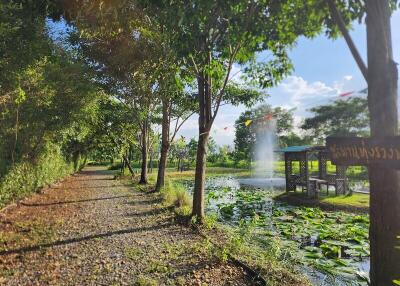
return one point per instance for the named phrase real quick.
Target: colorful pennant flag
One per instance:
(346, 94)
(248, 122)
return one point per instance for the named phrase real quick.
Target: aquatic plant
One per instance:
(331, 242)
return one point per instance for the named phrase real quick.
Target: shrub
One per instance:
(26, 177)
(174, 194)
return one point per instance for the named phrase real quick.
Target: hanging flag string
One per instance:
(270, 116)
(346, 94)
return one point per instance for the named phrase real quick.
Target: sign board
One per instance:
(358, 151)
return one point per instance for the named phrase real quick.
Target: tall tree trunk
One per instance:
(199, 183)
(162, 165)
(143, 174)
(384, 182)
(204, 95)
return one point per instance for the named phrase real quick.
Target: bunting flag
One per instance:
(364, 91)
(346, 94)
(248, 122)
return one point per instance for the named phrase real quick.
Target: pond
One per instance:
(333, 246)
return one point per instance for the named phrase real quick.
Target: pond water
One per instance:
(333, 246)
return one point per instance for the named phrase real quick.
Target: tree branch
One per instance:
(222, 91)
(178, 127)
(342, 27)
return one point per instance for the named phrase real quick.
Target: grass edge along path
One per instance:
(107, 240)
(263, 267)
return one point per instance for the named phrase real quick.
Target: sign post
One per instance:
(358, 151)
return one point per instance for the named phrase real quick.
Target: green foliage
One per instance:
(26, 177)
(341, 118)
(332, 242)
(48, 102)
(176, 195)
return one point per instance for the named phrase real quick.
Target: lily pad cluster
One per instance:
(334, 243)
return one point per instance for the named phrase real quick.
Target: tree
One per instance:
(246, 136)
(384, 182)
(149, 54)
(212, 150)
(127, 66)
(210, 37)
(294, 139)
(47, 97)
(179, 152)
(192, 149)
(381, 76)
(347, 117)
(178, 106)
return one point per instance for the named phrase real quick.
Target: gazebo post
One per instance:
(288, 172)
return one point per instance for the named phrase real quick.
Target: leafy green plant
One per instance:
(27, 177)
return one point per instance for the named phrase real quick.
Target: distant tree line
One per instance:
(342, 117)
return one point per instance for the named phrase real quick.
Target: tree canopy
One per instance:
(347, 117)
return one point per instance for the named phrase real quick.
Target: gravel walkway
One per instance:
(93, 230)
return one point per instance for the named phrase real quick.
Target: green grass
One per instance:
(176, 195)
(210, 172)
(354, 200)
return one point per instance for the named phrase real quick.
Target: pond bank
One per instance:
(331, 247)
(356, 203)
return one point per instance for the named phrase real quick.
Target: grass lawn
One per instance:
(210, 172)
(355, 200)
(352, 203)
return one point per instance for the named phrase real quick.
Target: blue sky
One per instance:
(323, 68)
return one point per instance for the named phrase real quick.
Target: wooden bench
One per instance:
(314, 187)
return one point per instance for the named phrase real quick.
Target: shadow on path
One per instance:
(72, 202)
(94, 187)
(151, 212)
(84, 238)
(145, 202)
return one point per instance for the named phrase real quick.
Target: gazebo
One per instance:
(302, 177)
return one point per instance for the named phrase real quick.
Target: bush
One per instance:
(242, 164)
(26, 177)
(176, 195)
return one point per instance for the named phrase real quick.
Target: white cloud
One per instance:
(294, 92)
(348, 77)
(299, 92)
(301, 95)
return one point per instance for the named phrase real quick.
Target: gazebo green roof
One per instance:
(305, 148)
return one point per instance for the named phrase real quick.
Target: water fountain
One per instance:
(264, 157)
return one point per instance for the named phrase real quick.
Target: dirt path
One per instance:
(93, 230)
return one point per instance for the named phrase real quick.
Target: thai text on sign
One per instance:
(364, 151)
